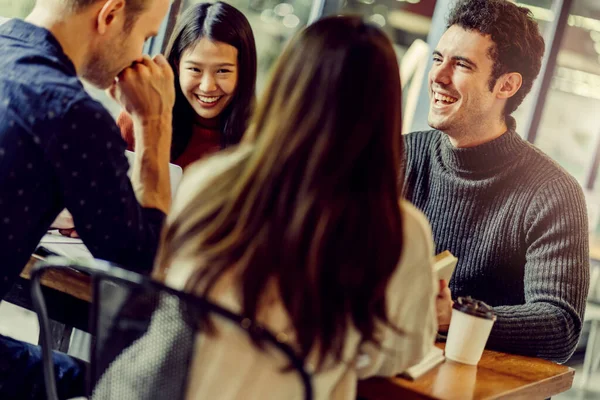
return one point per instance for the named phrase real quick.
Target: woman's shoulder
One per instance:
(415, 222)
(217, 163)
(198, 175)
(417, 247)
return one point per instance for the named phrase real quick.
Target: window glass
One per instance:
(12, 8)
(570, 126)
(407, 23)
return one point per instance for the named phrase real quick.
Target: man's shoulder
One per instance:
(40, 82)
(421, 143)
(32, 67)
(543, 169)
(35, 63)
(51, 105)
(49, 112)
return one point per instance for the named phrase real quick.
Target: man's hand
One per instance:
(146, 89)
(443, 304)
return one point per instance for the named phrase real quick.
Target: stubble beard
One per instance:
(441, 125)
(103, 66)
(454, 127)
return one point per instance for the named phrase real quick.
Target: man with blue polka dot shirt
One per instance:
(61, 149)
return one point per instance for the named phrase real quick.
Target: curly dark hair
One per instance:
(519, 46)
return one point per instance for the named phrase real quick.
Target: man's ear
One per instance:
(509, 84)
(109, 14)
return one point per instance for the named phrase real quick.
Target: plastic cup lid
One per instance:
(476, 308)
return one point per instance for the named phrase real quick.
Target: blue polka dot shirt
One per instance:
(60, 148)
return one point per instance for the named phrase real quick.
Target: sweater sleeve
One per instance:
(125, 124)
(556, 277)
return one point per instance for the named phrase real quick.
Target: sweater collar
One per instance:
(489, 156)
(212, 123)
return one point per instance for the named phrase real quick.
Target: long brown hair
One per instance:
(313, 204)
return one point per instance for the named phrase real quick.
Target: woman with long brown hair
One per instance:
(301, 229)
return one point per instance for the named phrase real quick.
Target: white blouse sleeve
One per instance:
(411, 295)
(196, 178)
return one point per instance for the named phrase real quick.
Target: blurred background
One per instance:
(561, 116)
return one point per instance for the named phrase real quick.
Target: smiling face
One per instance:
(208, 74)
(460, 97)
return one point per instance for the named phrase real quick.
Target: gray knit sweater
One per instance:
(517, 223)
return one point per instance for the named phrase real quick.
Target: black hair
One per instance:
(218, 22)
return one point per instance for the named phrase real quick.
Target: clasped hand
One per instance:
(146, 89)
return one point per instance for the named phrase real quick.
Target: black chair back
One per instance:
(145, 335)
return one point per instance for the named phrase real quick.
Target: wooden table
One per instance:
(498, 375)
(67, 295)
(72, 283)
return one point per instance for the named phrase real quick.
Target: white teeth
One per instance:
(441, 97)
(205, 99)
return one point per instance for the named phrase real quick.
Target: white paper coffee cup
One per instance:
(470, 327)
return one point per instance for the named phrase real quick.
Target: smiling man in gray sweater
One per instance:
(515, 219)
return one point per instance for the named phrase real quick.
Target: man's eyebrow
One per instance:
(466, 60)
